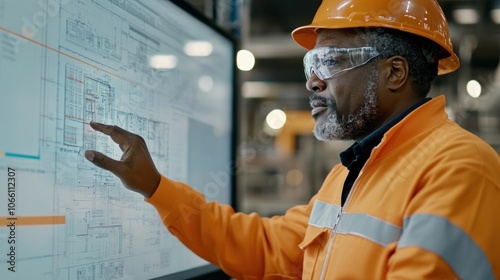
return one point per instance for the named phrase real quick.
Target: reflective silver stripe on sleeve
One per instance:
(369, 227)
(451, 243)
(323, 214)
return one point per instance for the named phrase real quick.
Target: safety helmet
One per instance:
(420, 17)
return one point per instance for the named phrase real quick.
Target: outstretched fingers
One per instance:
(104, 162)
(119, 135)
(135, 169)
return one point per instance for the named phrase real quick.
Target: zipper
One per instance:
(330, 244)
(339, 215)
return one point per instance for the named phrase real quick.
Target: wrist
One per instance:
(151, 190)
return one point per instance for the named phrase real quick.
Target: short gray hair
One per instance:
(418, 51)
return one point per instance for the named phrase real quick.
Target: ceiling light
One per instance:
(163, 61)
(466, 16)
(245, 60)
(474, 88)
(495, 15)
(206, 83)
(198, 48)
(276, 119)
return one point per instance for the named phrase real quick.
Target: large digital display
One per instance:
(148, 66)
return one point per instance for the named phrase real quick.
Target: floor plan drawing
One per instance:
(65, 64)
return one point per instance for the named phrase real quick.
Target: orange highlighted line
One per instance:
(62, 53)
(32, 220)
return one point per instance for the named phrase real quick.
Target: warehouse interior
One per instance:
(283, 167)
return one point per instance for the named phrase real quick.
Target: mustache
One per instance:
(316, 98)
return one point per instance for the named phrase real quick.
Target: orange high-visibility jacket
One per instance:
(426, 205)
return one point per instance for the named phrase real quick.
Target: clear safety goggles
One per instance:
(327, 62)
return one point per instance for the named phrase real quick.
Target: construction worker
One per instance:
(416, 196)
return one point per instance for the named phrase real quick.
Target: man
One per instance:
(415, 197)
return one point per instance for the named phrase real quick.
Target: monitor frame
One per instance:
(205, 271)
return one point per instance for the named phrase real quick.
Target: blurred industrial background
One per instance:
(280, 163)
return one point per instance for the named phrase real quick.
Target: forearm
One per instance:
(245, 246)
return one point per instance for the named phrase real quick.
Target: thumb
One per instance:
(103, 161)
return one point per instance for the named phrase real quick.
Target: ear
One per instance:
(396, 72)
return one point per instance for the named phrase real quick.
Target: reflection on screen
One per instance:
(146, 66)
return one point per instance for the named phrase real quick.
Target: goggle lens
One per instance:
(327, 62)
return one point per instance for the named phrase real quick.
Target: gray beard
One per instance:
(354, 126)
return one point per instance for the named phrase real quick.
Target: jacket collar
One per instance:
(360, 151)
(420, 120)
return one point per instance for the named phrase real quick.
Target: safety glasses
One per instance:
(327, 62)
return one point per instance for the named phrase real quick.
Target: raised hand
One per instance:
(135, 169)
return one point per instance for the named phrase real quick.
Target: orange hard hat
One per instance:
(420, 17)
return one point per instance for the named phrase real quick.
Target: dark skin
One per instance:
(138, 173)
(395, 93)
(135, 169)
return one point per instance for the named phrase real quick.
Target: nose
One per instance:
(315, 84)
